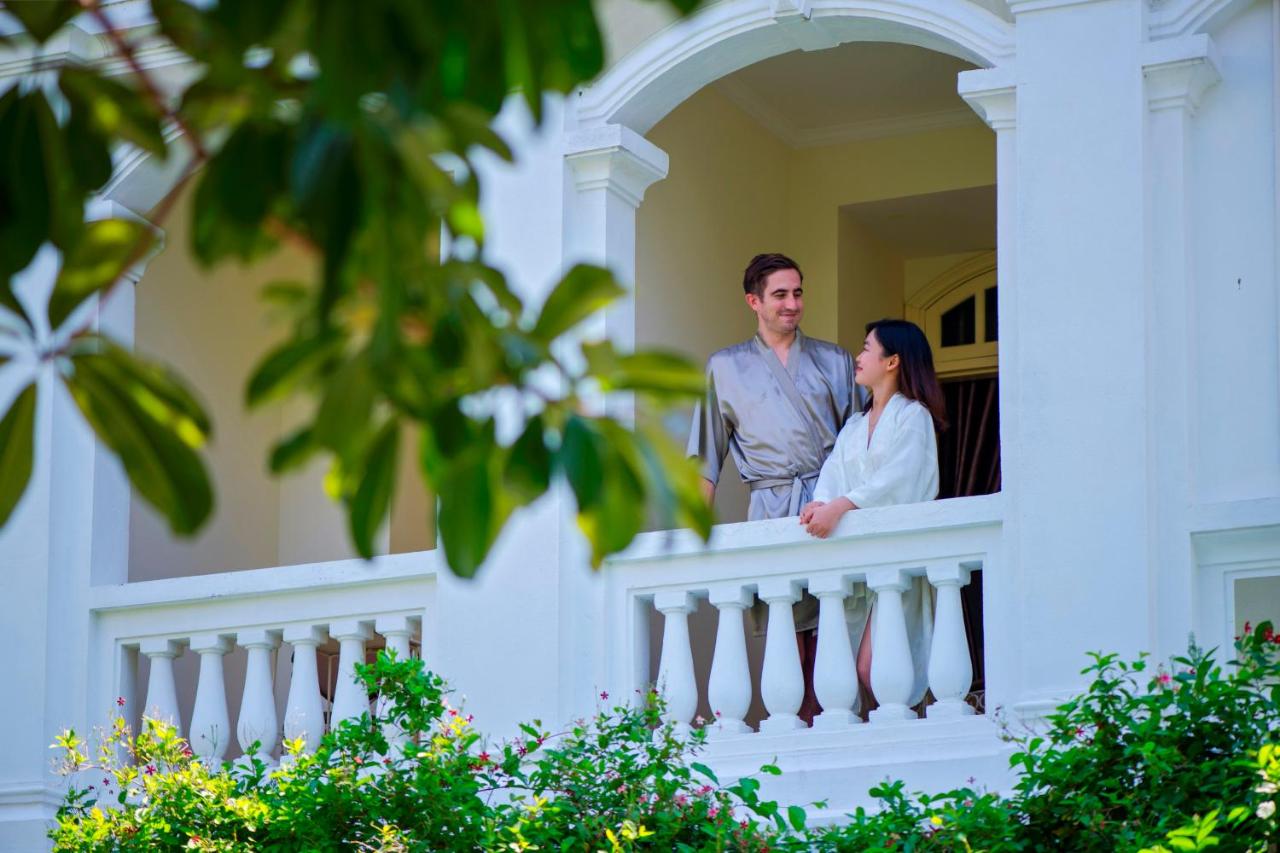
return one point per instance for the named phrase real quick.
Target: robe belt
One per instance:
(796, 483)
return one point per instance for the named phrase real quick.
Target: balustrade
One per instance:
(893, 567)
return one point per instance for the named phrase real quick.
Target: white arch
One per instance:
(673, 64)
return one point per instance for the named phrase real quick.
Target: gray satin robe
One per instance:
(779, 436)
(779, 423)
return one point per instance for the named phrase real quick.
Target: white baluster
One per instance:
(162, 695)
(351, 699)
(892, 673)
(950, 670)
(675, 669)
(729, 690)
(258, 721)
(304, 709)
(210, 723)
(835, 675)
(398, 630)
(781, 682)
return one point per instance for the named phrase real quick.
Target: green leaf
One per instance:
(372, 500)
(529, 462)
(152, 424)
(115, 109)
(580, 458)
(17, 450)
(705, 771)
(771, 769)
(293, 451)
(88, 150)
(796, 817)
(241, 185)
(470, 512)
(288, 364)
(655, 372)
(343, 417)
(582, 292)
(25, 194)
(45, 17)
(616, 513)
(97, 260)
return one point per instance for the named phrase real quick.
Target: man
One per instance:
(776, 402)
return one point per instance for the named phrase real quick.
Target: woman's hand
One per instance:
(823, 518)
(806, 512)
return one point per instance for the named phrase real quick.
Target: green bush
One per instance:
(1177, 758)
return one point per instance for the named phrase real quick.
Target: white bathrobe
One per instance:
(898, 466)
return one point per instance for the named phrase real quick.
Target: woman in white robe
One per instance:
(887, 455)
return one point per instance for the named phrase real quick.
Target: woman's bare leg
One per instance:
(864, 664)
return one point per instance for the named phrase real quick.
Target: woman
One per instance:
(887, 455)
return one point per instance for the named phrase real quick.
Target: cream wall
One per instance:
(213, 328)
(870, 276)
(917, 272)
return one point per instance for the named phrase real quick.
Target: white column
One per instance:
(351, 699)
(835, 673)
(210, 723)
(675, 669)
(729, 689)
(950, 669)
(781, 681)
(258, 722)
(304, 709)
(162, 695)
(992, 93)
(397, 630)
(892, 672)
(1177, 73)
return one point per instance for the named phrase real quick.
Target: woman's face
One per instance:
(871, 366)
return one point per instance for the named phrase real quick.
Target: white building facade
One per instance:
(1112, 164)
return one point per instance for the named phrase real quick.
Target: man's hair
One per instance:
(760, 268)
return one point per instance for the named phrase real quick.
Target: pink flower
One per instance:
(712, 812)
(681, 800)
(718, 714)
(120, 701)
(151, 770)
(484, 758)
(1164, 678)
(604, 695)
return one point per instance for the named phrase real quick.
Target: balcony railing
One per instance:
(885, 549)
(349, 604)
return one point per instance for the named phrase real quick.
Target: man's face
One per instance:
(781, 306)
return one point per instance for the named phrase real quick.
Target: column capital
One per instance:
(834, 585)
(304, 635)
(211, 643)
(350, 629)
(396, 626)
(1179, 71)
(258, 638)
(160, 648)
(992, 94)
(881, 580)
(729, 595)
(616, 159)
(780, 590)
(674, 601)
(948, 574)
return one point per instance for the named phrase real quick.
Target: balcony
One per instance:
(258, 655)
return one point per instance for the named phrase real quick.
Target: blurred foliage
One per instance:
(353, 131)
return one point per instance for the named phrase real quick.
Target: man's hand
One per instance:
(823, 517)
(709, 491)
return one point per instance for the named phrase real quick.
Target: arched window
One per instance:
(957, 311)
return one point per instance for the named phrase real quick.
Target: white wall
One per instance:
(1235, 315)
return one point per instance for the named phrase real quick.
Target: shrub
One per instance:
(1177, 758)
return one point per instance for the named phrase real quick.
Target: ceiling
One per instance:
(856, 90)
(931, 224)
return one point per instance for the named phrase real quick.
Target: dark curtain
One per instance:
(969, 464)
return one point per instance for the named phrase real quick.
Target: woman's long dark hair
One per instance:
(917, 380)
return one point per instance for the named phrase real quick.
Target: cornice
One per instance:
(1179, 71)
(616, 159)
(992, 93)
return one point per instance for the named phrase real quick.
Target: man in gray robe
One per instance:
(776, 401)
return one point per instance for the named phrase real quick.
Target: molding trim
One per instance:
(646, 84)
(1021, 7)
(1171, 18)
(836, 134)
(616, 159)
(993, 95)
(1179, 71)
